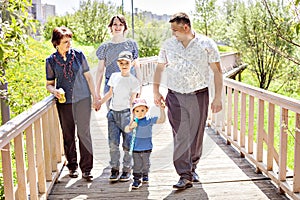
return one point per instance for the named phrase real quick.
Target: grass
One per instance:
(224, 49)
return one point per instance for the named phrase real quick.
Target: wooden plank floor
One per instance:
(223, 174)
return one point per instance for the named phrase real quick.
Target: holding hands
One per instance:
(159, 100)
(97, 103)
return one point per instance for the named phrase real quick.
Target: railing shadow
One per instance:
(259, 179)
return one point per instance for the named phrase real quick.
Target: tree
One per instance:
(280, 31)
(205, 16)
(92, 19)
(15, 27)
(150, 35)
(254, 32)
(88, 23)
(287, 28)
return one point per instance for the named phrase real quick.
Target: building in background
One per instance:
(48, 11)
(149, 16)
(36, 10)
(41, 11)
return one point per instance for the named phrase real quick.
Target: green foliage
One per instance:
(149, 44)
(27, 78)
(254, 37)
(15, 25)
(205, 16)
(93, 18)
(88, 24)
(150, 36)
(224, 48)
(296, 23)
(288, 83)
(225, 16)
(55, 21)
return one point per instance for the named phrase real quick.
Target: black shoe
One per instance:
(195, 177)
(145, 179)
(114, 175)
(183, 184)
(87, 176)
(73, 173)
(125, 177)
(136, 184)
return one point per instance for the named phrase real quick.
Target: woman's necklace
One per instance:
(67, 66)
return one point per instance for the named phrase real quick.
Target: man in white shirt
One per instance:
(187, 58)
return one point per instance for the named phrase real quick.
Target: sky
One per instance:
(155, 6)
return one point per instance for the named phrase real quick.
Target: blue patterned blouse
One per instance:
(69, 74)
(109, 52)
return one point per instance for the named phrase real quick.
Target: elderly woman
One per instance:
(69, 80)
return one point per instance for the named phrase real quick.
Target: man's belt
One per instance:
(190, 93)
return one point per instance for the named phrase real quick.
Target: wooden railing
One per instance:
(265, 128)
(230, 62)
(148, 66)
(31, 148)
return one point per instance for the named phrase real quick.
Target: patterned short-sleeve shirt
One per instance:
(109, 52)
(69, 74)
(188, 68)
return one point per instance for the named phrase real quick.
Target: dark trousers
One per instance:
(187, 115)
(141, 164)
(78, 114)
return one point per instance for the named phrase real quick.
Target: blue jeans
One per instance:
(117, 120)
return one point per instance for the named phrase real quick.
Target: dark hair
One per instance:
(180, 18)
(122, 20)
(58, 34)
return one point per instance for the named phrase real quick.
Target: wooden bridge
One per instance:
(241, 159)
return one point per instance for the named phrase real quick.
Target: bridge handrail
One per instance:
(35, 138)
(243, 126)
